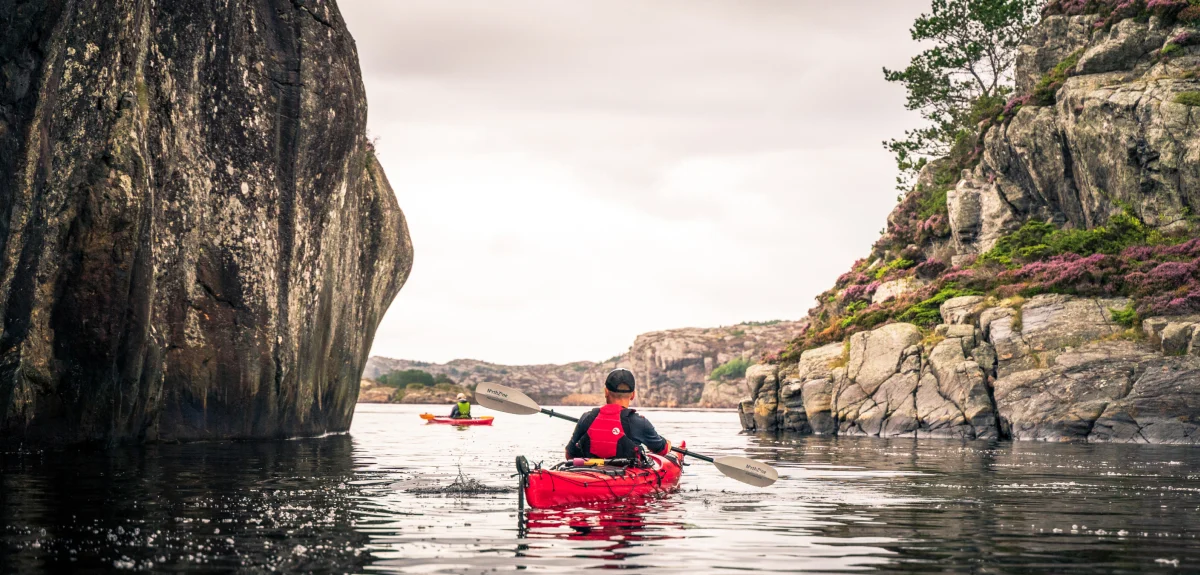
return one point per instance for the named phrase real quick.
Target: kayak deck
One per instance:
(545, 488)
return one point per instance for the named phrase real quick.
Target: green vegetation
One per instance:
(1188, 98)
(738, 332)
(1126, 317)
(963, 72)
(403, 378)
(927, 313)
(414, 379)
(761, 323)
(1047, 87)
(732, 369)
(933, 203)
(1040, 240)
(897, 264)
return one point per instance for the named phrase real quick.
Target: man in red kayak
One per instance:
(615, 431)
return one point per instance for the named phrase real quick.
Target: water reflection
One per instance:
(365, 502)
(271, 505)
(618, 528)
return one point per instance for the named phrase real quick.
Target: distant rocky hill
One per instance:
(672, 367)
(548, 384)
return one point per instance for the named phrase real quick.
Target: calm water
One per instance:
(353, 504)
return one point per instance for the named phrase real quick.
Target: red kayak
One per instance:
(576, 485)
(430, 418)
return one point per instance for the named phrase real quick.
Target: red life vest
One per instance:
(606, 432)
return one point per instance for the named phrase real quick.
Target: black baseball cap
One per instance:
(619, 380)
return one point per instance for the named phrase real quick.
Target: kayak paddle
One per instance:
(509, 400)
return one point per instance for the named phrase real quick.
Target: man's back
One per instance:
(638, 429)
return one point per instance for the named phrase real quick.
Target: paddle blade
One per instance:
(506, 399)
(426, 416)
(746, 470)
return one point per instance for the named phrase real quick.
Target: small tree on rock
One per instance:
(965, 75)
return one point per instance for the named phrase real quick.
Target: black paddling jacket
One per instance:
(632, 430)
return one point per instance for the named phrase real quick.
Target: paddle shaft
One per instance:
(553, 413)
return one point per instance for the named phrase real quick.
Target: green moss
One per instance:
(1188, 98)
(1169, 49)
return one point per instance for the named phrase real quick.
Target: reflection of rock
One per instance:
(198, 242)
(250, 500)
(1061, 376)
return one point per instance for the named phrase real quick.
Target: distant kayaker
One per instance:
(462, 408)
(615, 431)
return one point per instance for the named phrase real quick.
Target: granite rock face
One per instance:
(196, 241)
(1067, 372)
(1115, 137)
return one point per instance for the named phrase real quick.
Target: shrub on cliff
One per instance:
(402, 378)
(732, 369)
(972, 47)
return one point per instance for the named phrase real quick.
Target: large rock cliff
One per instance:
(1050, 295)
(196, 240)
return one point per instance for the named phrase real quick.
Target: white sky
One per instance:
(577, 172)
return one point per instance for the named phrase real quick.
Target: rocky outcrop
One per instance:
(672, 367)
(1064, 371)
(1115, 137)
(196, 241)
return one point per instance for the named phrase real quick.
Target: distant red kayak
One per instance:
(546, 488)
(430, 418)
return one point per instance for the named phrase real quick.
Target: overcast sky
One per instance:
(577, 172)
